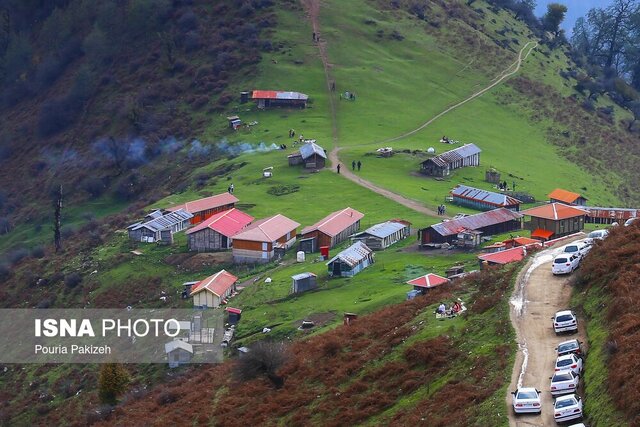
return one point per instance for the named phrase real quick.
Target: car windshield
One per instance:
(564, 403)
(567, 346)
(564, 318)
(527, 395)
(596, 234)
(564, 362)
(560, 260)
(571, 249)
(561, 377)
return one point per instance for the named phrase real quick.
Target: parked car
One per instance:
(597, 235)
(565, 263)
(565, 321)
(526, 400)
(579, 248)
(630, 221)
(567, 408)
(578, 425)
(563, 382)
(570, 347)
(569, 361)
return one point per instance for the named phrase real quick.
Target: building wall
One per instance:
(431, 169)
(295, 160)
(377, 243)
(138, 234)
(481, 205)
(206, 299)
(304, 285)
(178, 356)
(200, 216)
(207, 240)
(429, 235)
(559, 228)
(314, 162)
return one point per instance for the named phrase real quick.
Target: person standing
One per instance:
(353, 165)
(338, 168)
(231, 188)
(359, 165)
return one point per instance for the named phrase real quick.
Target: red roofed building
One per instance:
(278, 98)
(568, 197)
(330, 230)
(503, 257)
(264, 239)
(554, 220)
(202, 209)
(427, 281)
(212, 291)
(216, 233)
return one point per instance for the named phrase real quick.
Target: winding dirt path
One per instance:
(312, 8)
(537, 297)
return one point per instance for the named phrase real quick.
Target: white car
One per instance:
(630, 221)
(567, 408)
(526, 400)
(570, 347)
(565, 321)
(578, 425)
(565, 264)
(577, 248)
(569, 361)
(563, 382)
(597, 235)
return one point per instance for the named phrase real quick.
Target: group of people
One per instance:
(455, 308)
(292, 133)
(503, 186)
(354, 165)
(348, 95)
(442, 209)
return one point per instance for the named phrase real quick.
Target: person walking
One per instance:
(338, 168)
(359, 165)
(353, 165)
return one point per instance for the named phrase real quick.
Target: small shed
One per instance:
(159, 226)
(468, 238)
(349, 318)
(383, 235)
(428, 281)
(212, 291)
(178, 353)
(234, 122)
(234, 315)
(567, 197)
(442, 164)
(277, 98)
(303, 282)
(351, 261)
(313, 156)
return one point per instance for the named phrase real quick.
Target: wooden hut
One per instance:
(383, 235)
(216, 233)
(428, 281)
(212, 291)
(159, 226)
(351, 261)
(483, 200)
(277, 98)
(567, 197)
(264, 239)
(303, 282)
(442, 164)
(234, 315)
(330, 230)
(202, 209)
(178, 352)
(554, 220)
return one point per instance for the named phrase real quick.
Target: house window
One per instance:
(265, 246)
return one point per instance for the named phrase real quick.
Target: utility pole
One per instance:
(57, 221)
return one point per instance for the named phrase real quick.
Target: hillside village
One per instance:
(380, 213)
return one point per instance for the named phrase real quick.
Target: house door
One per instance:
(337, 268)
(225, 242)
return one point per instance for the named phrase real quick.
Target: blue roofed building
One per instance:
(351, 261)
(311, 155)
(442, 164)
(383, 235)
(483, 200)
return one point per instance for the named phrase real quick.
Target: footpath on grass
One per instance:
(537, 297)
(312, 8)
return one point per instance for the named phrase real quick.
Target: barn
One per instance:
(598, 215)
(215, 233)
(428, 281)
(277, 98)
(383, 235)
(554, 220)
(497, 221)
(567, 197)
(212, 291)
(178, 353)
(264, 239)
(351, 261)
(483, 200)
(159, 226)
(202, 209)
(303, 282)
(311, 155)
(330, 230)
(442, 164)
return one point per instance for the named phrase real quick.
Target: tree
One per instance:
(553, 18)
(263, 358)
(634, 106)
(112, 382)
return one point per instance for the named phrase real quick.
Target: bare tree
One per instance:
(263, 358)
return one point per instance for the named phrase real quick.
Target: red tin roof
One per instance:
(555, 211)
(335, 222)
(217, 284)
(428, 281)
(504, 257)
(227, 223)
(207, 203)
(268, 229)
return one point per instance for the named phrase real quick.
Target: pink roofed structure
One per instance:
(202, 209)
(428, 281)
(213, 291)
(264, 239)
(331, 230)
(216, 233)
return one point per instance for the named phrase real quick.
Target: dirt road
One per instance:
(538, 296)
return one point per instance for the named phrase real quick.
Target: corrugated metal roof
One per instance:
(227, 222)
(616, 213)
(504, 257)
(428, 281)
(475, 222)
(302, 276)
(335, 222)
(163, 222)
(268, 229)
(564, 195)
(207, 203)
(278, 94)
(175, 344)
(353, 254)
(311, 148)
(217, 284)
(496, 199)
(454, 155)
(555, 211)
(383, 229)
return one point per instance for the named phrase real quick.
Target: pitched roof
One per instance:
(335, 222)
(541, 232)
(383, 229)
(233, 310)
(504, 257)
(268, 229)
(217, 284)
(278, 94)
(172, 345)
(428, 281)
(353, 254)
(489, 197)
(523, 241)
(311, 148)
(227, 222)
(302, 276)
(477, 221)
(163, 222)
(564, 195)
(456, 154)
(207, 203)
(555, 211)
